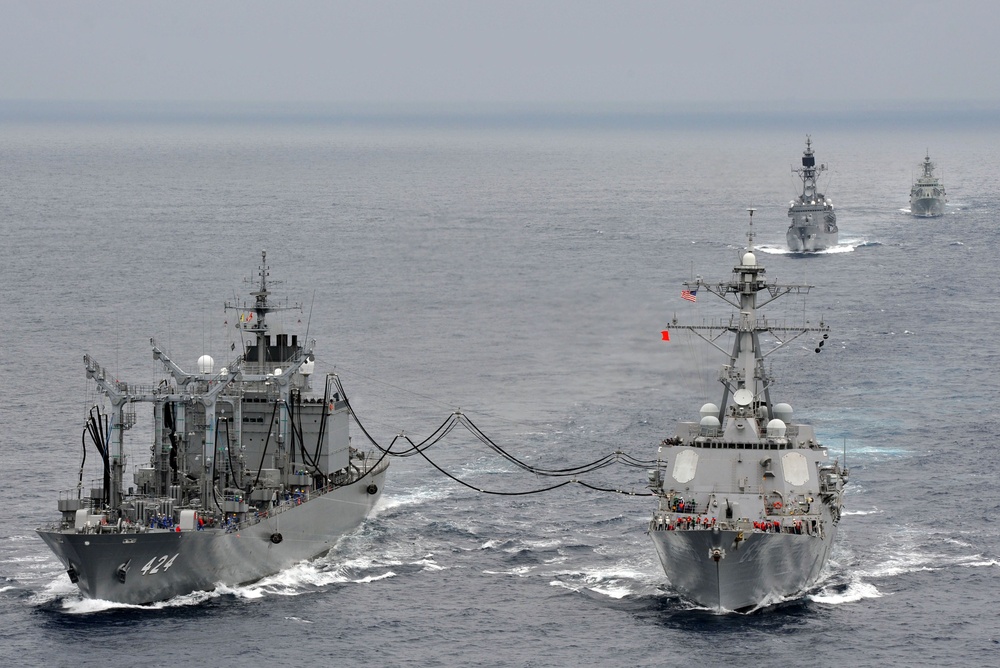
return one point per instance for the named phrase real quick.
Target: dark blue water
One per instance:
(522, 276)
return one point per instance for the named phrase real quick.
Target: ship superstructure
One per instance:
(927, 195)
(748, 499)
(814, 223)
(249, 471)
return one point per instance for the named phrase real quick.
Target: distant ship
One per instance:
(814, 224)
(748, 499)
(249, 472)
(927, 196)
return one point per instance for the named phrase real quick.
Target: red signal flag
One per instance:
(666, 335)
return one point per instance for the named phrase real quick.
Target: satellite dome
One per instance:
(783, 412)
(709, 409)
(206, 364)
(709, 424)
(776, 429)
(749, 260)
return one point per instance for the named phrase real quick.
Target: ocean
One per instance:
(520, 273)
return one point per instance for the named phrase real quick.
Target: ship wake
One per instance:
(844, 246)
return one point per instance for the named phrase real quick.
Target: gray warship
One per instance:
(927, 196)
(814, 223)
(250, 471)
(748, 501)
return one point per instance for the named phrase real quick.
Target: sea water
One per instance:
(521, 275)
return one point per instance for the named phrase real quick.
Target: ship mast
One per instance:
(253, 319)
(260, 310)
(928, 167)
(745, 379)
(809, 172)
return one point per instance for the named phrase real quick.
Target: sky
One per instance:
(511, 53)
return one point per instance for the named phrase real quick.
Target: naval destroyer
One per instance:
(814, 223)
(249, 472)
(927, 196)
(748, 499)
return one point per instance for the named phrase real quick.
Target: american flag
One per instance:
(690, 295)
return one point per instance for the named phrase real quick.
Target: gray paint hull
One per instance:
(763, 568)
(810, 237)
(748, 500)
(162, 564)
(927, 207)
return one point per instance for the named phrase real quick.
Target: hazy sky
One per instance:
(536, 52)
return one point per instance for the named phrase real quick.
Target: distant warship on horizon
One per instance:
(814, 223)
(927, 196)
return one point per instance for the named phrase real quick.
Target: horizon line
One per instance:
(499, 114)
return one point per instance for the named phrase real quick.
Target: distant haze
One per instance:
(435, 53)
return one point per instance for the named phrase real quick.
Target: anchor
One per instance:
(739, 539)
(122, 571)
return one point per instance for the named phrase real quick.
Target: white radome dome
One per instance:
(206, 364)
(776, 429)
(709, 424)
(783, 412)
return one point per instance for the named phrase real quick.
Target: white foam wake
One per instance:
(855, 591)
(845, 246)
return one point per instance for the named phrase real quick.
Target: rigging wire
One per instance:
(97, 425)
(457, 418)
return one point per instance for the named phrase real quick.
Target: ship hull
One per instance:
(156, 565)
(927, 207)
(761, 568)
(813, 228)
(810, 239)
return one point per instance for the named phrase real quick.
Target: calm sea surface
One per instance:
(522, 276)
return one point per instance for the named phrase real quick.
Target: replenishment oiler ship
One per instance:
(249, 471)
(748, 499)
